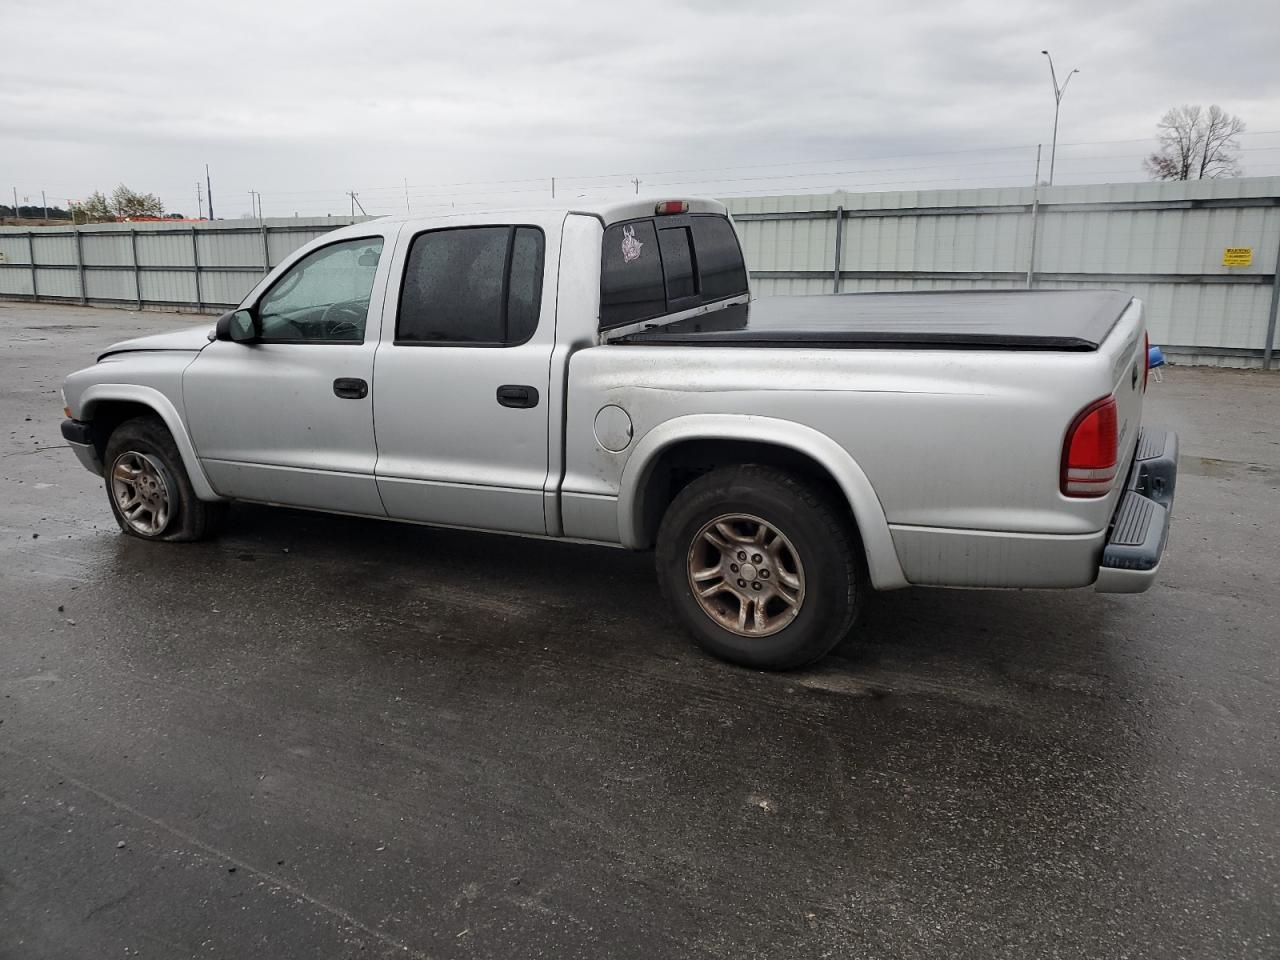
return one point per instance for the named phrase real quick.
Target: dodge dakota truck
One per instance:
(603, 374)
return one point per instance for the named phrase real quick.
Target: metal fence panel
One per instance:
(106, 249)
(13, 247)
(227, 289)
(1163, 242)
(169, 286)
(55, 283)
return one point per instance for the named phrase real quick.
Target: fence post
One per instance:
(1269, 347)
(195, 263)
(84, 295)
(1035, 214)
(835, 268)
(31, 255)
(266, 250)
(137, 270)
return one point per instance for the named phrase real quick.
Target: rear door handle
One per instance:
(517, 395)
(350, 388)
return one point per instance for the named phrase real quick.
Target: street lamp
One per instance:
(1058, 92)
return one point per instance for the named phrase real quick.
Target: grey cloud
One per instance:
(302, 99)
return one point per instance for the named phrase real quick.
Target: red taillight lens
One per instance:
(1146, 359)
(1090, 453)
(667, 207)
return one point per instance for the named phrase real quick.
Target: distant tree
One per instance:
(1196, 144)
(126, 203)
(97, 209)
(122, 203)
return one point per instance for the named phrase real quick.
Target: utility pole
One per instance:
(406, 196)
(353, 202)
(356, 200)
(1058, 92)
(44, 202)
(636, 181)
(553, 188)
(199, 201)
(15, 204)
(208, 189)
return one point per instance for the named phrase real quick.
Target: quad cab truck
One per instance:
(602, 374)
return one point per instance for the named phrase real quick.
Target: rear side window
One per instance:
(631, 286)
(479, 286)
(719, 258)
(649, 268)
(677, 263)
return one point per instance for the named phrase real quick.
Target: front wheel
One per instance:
(760, 567)
(148, 487)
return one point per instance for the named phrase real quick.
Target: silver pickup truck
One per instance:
(602, 374)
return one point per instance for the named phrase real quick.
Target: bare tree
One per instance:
(1196, 144)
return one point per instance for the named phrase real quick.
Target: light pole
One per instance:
(1058, 92)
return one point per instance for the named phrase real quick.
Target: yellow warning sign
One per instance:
(1237, 257)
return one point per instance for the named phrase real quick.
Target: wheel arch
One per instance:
(107, 405)
(714, 440)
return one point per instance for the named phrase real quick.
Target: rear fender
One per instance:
(882, 558)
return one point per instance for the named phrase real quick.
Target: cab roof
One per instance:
(607, 211)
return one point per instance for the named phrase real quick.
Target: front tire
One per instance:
(148, 487)
(760, 567)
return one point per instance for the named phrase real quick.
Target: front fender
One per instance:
(151, 397)
(882, 557)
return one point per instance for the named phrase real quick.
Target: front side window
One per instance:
(480, 286)
(324, 297)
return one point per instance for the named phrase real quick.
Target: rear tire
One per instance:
(148, 487)
(760, 567)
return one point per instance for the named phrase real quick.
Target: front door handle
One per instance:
(350, 388)
(517, 395)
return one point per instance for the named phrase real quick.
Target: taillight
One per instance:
(1146, 358)
(668, 207)
(1090, 452)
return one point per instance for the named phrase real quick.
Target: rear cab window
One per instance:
(658, 266)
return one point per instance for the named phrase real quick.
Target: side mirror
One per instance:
(238, 326)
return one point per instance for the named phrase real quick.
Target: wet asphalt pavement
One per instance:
(329, 737)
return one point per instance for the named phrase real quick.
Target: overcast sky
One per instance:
(305, 99)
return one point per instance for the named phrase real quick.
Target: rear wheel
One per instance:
(148, 487)
(759, 566)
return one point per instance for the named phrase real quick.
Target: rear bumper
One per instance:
(79, 437)
(1140, 528)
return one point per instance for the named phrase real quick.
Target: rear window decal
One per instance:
(630, 245)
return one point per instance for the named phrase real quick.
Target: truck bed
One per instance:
(1073, 320)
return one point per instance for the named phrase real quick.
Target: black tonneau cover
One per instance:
(968, 319)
